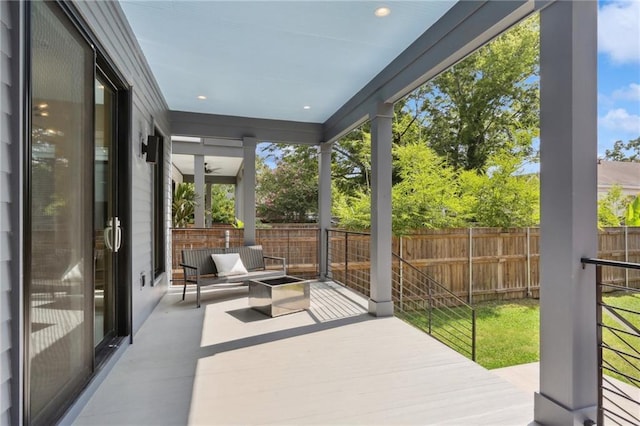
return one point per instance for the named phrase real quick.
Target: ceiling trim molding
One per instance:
(463, 29)
(194, 148)
(232, 127)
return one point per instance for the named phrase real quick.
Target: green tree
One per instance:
(632, 215)
(428, 192)
(503, 196)
(185, 200)
(351, 162)
(621, 151)
(222, 204)
(487, 103)
(289, 192)
(612, 207)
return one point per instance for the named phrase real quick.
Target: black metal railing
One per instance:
(422, 301)
(349, 259)
(618, 334)
(418, 298)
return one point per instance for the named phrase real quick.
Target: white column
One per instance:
(324, 203)
(380, 303)
(198, 179)
(568, 115)
(249, 190)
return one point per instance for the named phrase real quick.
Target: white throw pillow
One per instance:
(229, 264)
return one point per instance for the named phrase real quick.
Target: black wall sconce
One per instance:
(151, 148)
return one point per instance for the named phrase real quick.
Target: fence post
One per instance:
(470, 265)
(626, 255)
(288, 243)
(528, 261)
(400, 273)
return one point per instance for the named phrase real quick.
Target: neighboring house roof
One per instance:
(623, 173)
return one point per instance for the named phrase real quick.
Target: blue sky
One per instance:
(618, 72)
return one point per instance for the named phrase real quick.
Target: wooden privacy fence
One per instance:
(479, 263)
(476, 264)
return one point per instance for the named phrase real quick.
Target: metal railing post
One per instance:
(473, 335)
(470, 265)
(599, 340)
(626, 255)
(327, 259)
(430, 297)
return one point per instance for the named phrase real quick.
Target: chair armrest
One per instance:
(197, 274)
(281, 259)
(184, 265)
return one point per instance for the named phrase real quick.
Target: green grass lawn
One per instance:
(626, 364)
(507, 333)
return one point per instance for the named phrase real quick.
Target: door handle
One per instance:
(118, 236)
(107, 235)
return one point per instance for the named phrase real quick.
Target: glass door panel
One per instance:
(106, 231)
(60, 288)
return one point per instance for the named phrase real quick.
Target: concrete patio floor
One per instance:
(332, 364)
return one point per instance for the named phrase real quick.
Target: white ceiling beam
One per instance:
(232, 127)
(191, 148)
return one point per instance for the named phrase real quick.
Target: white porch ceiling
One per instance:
(270, 59)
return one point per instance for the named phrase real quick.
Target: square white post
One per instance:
(249, 190)
(568, 115)
(380, 302)
(324, 203)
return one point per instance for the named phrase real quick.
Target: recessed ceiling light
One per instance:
(382, 12)
(306, 107)
(201, 97)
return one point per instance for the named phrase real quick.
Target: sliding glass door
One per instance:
(60, 303)
(77, 302)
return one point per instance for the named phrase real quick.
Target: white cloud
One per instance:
(618, 29)
(629, 93)
(620, 120)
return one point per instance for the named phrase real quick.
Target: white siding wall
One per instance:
(9, 211)
(109, 24)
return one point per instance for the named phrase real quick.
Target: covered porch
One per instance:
(333, 364)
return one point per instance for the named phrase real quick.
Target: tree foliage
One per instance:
(612, 207)
(621, 151)
(432, 194)
(428, 193)
(487, 103)
(503, 196)
(185, 200)
(289, 192)
(222, 204)
(632, 214)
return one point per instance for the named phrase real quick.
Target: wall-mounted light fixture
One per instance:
(151, 148)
